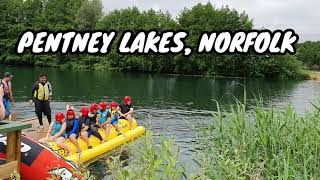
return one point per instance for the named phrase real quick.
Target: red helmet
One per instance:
(103, 105)
(127, 100)
(70, 112)
(94, 107)
(84, 111)
(59, 117)
(113, 104)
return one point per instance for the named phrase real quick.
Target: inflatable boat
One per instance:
(114, 140)
(39, 162)
(43, 161)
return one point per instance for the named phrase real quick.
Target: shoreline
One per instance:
(312, 74)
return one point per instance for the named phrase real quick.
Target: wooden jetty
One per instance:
(13, 149)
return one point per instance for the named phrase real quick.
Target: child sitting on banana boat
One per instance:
(126, 110)
(57, 132)
(113, 119)
(84, 125)
(103, 116)
(93, 128)
(72, 127)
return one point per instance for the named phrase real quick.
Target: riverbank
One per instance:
(303, 74)
(313, 75)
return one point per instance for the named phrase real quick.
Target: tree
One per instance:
(89, 14)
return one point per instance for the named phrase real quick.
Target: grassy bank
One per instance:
(239, 144)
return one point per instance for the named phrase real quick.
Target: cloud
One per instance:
(301, 15)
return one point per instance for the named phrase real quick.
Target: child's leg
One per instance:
(73, 139)
(117, 128)
(129, 118)
(61, 144)
(43, 140)
(84, 136)
(107, 128)
(95, 132)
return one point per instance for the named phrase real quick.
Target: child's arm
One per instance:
(130, 112)
(75, 127)
(97, 120)
(108, 117)
(86, 125)
(49, 130)
(62, 130)
(119, 112)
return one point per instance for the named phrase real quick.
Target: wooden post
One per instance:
(13, 148)
(18, 148)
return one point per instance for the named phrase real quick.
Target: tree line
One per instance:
(19, 15)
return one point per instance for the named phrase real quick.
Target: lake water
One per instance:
(173, 104)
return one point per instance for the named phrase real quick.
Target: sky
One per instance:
(301, 15)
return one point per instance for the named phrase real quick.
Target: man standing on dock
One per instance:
(41, 94)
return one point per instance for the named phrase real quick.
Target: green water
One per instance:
(176, 104)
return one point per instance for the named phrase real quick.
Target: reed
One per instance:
(262, 143)
(149, 161)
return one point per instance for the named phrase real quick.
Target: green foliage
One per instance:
(149, 161)
(19, 15)
(263, 143)
(89, 14)
(309, 54)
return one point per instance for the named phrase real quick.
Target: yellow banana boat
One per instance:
(98, 149)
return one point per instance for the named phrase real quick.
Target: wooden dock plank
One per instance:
(7, 169)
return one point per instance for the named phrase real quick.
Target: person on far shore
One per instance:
(7, 98)
(41, 95)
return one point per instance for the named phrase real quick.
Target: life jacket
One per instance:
(69, 125)
(114, 113)
(82, 122)
(102, 116)
(43, 92)
(92, 118)
(6, 88)
(56, 128)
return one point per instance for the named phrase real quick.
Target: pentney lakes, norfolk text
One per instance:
(145, 42)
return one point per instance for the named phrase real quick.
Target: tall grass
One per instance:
(149, 161)
(261, 143)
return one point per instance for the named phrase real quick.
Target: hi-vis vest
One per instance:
(43, 92)
(114, 113)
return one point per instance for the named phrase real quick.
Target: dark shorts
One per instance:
(89, 133)
(63, 135)
(77, 135)
(115, 121)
